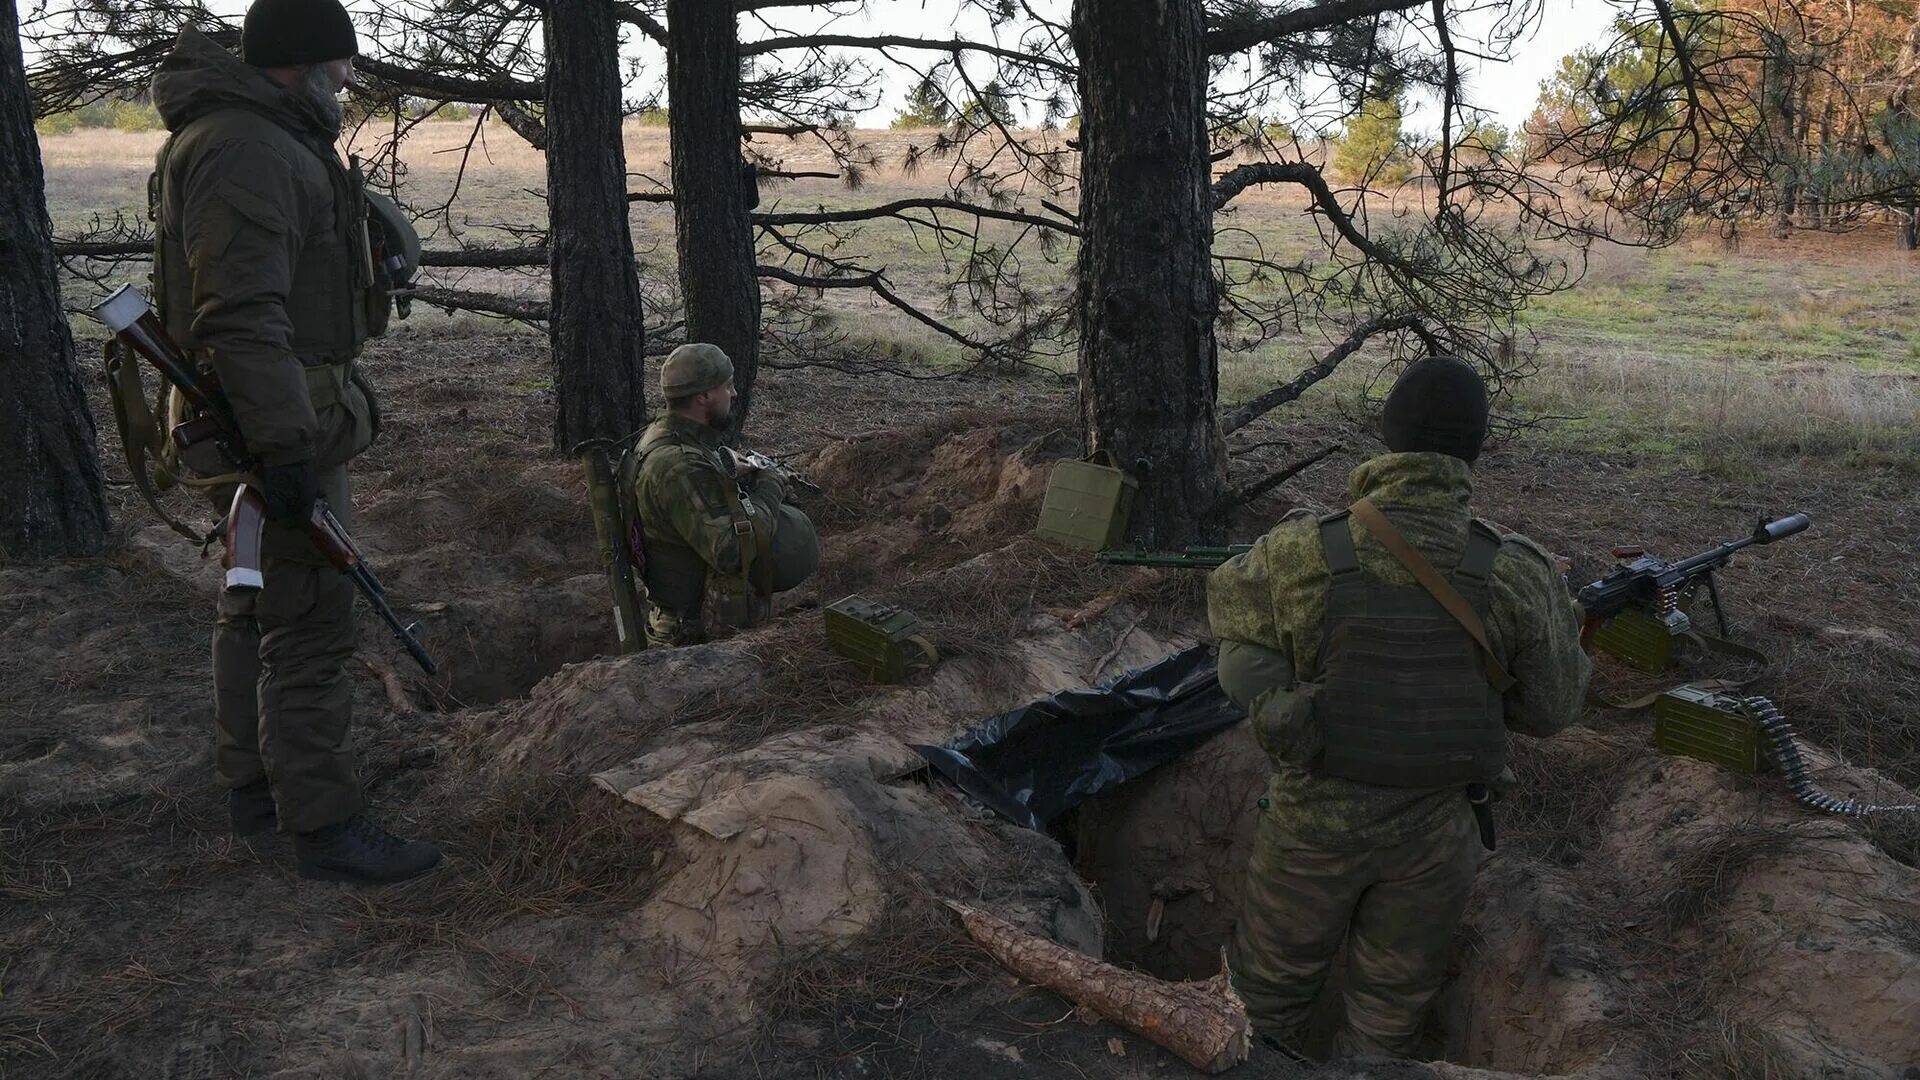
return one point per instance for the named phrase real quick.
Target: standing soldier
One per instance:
(705, 523)
(265, 273)
(1382, 654)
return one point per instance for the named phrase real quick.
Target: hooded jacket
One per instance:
(261, 262)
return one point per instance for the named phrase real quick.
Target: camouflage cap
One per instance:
(694, 368)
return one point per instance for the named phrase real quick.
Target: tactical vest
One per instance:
(342, 283)
(680, 564)
(1404, 697)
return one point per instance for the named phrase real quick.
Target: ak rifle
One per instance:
(131, 318)
(1194, 558)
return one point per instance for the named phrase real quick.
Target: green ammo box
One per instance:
(1702, 724)
(1087, 505)
(1643, 642)
(879, 637)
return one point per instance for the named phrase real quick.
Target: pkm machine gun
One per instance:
(1637, 611)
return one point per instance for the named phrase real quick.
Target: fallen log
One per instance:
(1203, 1022)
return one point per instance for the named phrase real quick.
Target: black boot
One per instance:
(359, 850)
(250, 808)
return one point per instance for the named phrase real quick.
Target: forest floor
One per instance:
(1645, 915)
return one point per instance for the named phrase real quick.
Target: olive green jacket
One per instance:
(695, 519)
(261, 267)
(1267, 606)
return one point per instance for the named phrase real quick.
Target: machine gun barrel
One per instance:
(1648, 576)
(1764, 533)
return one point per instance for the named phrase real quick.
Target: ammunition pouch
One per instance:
(1288, 726)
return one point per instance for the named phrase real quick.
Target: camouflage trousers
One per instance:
(1394, 908)
(282, 698)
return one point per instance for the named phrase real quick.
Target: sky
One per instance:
(1507, 90)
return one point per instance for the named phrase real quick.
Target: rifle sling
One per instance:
(1709, 643)
(1390, 538)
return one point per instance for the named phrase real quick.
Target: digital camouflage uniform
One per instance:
(700, 529)
(1387, 870)
(262, 273)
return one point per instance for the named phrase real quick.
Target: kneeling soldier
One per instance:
(1382, 654)
(705, 525)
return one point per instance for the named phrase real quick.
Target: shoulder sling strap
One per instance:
(1449, 597)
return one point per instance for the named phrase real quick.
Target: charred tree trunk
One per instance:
(595, 326)
(713, 193)
(1147, 299)
(52, 499)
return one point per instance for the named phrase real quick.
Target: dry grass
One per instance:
(857, 1001)
(1709, 872)
(537, 848)
(1562, 800)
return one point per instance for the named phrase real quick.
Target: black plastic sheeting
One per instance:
(1037, 762)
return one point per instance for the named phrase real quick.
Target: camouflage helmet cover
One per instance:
(694, 368)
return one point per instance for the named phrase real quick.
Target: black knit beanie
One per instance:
(289, 33)
(1439, 405)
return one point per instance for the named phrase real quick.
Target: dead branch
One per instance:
(897, 41)
(397, 697)
(1268, 483)
(893, 209)
(451, 300)
(489, 258)
(1203, 1022)
(1280, 395)
(523, 123)
(791, 131)
(650, 26)
(1253, 25)
(872, 280)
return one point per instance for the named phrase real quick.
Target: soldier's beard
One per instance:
(317, 88)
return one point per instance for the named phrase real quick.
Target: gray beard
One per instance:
(317, 91)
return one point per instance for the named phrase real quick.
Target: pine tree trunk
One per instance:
(713, 195)
(596, 325)
(1147, 299)
(52, 499)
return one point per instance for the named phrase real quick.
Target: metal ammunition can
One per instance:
(1087, 505)
(1641, 641)
(1708, 726)
(882, 638)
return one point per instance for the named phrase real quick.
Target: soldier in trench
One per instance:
(710, 527)
(1383, 654)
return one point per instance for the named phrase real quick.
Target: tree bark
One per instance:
(1147, 299)
(713, 195)
(1203, 1022)
(595, 325)
(52, 497)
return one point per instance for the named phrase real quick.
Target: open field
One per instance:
(1808, 346)
(1645, 915)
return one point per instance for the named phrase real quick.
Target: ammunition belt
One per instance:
(1786, 755)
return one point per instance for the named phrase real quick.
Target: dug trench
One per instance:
(725, 861)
